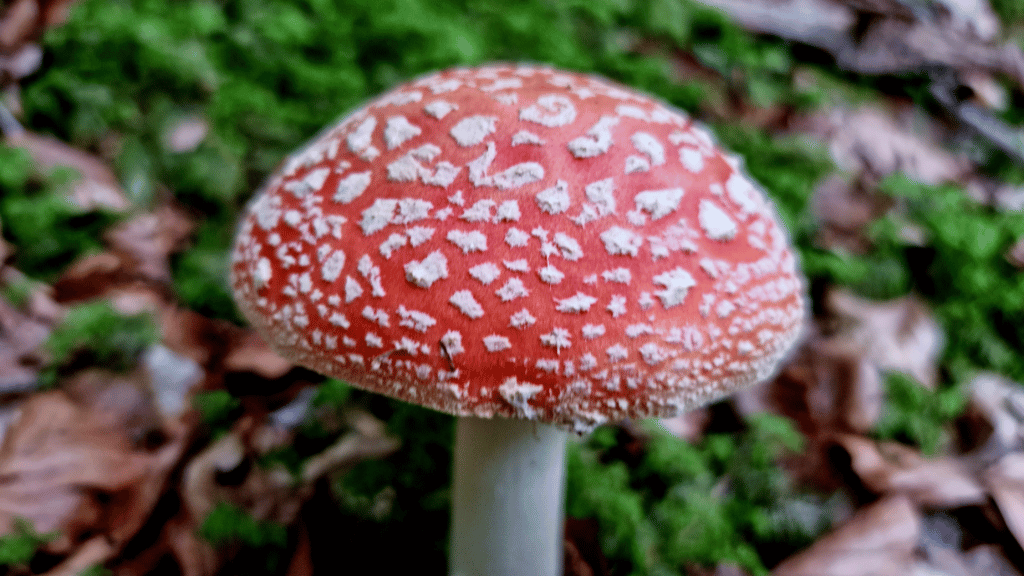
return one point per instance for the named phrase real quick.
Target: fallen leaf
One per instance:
(899, 335)
(92, 277)
(195, 336)
(367, 441)
(18, 24)
(186, 134)
(881, 142)
(815, 22)
(54, 459)
(55, 12)
(989, 559)
(21, 336)
(891, 468)
(23, 62)
(1015, 255)
(887, 36)
(1001, 403)
(301, 563)
(172, 378)
(830, 386)
(195, 556)
(844, 209)
(272, 493)
(879, 540)
(250, 353)
(688, 425)
(583, 554)
(150, 239)
(1005, 481)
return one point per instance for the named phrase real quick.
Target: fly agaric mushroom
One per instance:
(521, 247)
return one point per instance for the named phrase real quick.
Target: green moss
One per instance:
(201, 272)
(218, 409)
(46, 229)
(602, 491)
(96, 334)
(258, 542)
(721, 500)
(19, 546)
(17, 293)
(916, 415)
(1009, 11)
(961, 269)
(332, 394)
(402, 498)
(228, 524)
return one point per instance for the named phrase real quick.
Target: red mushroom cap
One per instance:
(525, 242)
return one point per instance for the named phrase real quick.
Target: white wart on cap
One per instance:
(524, 242)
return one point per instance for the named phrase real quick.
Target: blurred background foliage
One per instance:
(266, 75)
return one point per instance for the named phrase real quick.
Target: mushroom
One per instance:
(532, 250)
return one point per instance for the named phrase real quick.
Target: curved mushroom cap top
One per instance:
(524, 242)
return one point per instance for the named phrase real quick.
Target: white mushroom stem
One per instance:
(507, 498)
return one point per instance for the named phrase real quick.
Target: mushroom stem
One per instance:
(507, 498)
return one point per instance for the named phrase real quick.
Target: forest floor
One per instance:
(146, 430)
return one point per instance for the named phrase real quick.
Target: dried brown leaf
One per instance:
(689, 425)
(1001, 403)
(250, 353)
(301, 563)
(193, 335)
(55, 12)
(272, 493)
(122, 401)
(899, 335)
(148, 240)
(1005, 480)
(22, 332)
(830, 386)
(18, 23)
(878, 541)
(582, 544)
(816, 22)
(349, 450)
(892, 468)
(898, 37)
(92, 277)
(990, 560)
(54, 458)
(195, 556)
(880, 142)
(841, 204)
(172, 378)
(22, 62)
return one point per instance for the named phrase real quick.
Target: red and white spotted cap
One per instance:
(524, 242)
